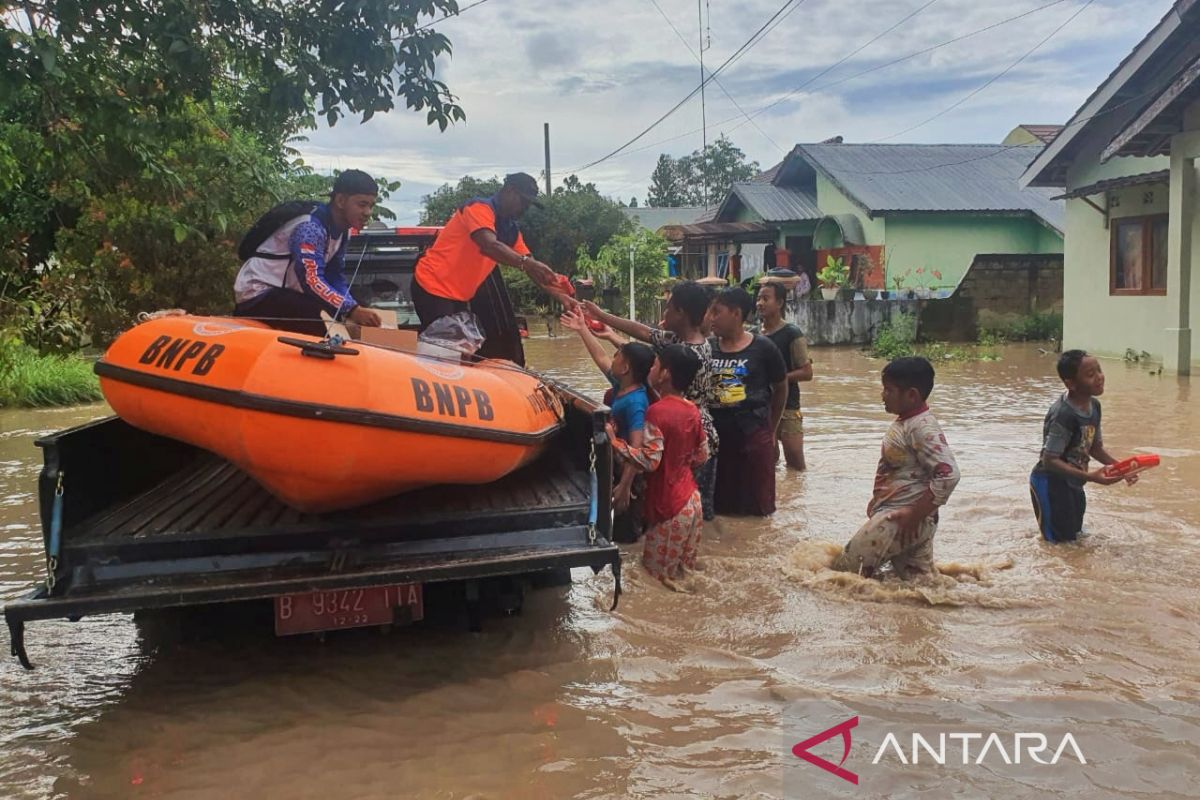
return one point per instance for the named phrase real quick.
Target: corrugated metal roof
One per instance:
(979, 178)
(653, 218)
(776, 203)
(1142, 179)
(721, 231)
(768, 174)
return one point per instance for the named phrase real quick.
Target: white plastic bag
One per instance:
(459, 332)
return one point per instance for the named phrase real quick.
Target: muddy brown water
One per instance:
(673, 695)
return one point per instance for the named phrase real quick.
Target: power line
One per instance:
(720, 85)
(441, 19)
(910, 56)
(994, 78)
(856, 51)
(749, 43)
(867, 71)
(1000, 150)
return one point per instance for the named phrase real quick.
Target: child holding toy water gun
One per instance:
(1070, 438)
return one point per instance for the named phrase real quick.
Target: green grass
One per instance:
(899, 338)
(30, 380)
(1038, 326)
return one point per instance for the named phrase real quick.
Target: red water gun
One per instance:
(1131, 466)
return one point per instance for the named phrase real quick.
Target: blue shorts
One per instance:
(1058, 505)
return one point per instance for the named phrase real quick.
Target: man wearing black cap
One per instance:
(459, 273)
(298, 269)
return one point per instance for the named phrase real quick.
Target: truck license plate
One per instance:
(334, 609)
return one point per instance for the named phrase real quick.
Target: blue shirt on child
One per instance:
(629, 410)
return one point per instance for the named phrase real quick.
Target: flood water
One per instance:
(674, 694)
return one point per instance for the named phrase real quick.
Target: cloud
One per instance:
(599, 73)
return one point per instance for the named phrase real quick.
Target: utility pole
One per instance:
(546, 133)
(703, 108)
(632, 308)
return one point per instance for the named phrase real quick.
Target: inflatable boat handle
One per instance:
(323, 350)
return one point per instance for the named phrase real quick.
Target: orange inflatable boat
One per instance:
(323, 427)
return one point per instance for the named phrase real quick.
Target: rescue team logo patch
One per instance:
(309, 249)
(212, 328)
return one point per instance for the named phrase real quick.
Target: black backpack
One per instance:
(270, 222)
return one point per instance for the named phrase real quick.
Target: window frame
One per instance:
(1147, 221)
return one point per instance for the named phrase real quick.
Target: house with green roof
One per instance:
(904, 216)
(1126, 166)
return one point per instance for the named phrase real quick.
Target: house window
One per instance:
(1139, 256)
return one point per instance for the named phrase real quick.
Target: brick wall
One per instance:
(1014, 284)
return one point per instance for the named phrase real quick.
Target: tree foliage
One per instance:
(574, 216)
(610, 267)
(139, 140)
(444, 201)
(682, 181)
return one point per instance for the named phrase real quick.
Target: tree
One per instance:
(722, 164)
(666, 185)
(610, 267)
(354, 57)
(575, 216)
(138, 140)
(444, 201)
(633, 202)
(681, 181)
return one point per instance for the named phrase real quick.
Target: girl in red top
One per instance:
(673, 443)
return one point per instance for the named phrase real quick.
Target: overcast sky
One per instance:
(600, 72)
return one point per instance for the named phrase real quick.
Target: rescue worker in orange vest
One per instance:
(459, 271)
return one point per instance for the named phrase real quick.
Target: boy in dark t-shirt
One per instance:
(751, 393)
(771, 304)
(1070, 437)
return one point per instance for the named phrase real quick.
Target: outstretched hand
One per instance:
(539, 273)
(594, 311)
(573, 319)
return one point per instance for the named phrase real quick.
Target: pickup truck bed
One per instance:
(147, 522)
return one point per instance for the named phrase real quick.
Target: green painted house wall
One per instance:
(1093, 318)
(832, 201)
(744, 214)
(946, 242)
(949, 243)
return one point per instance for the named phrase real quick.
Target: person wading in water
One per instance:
(772, 302)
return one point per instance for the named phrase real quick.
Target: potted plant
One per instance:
(898, 282)
(832, 277)
(869, 294)
(884, 294)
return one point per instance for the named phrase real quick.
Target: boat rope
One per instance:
(55, 544)
(337, 315)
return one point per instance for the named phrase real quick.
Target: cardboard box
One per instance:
(389, 337)
(388, 334)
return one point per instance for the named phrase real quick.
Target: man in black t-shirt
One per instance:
(751, 393)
